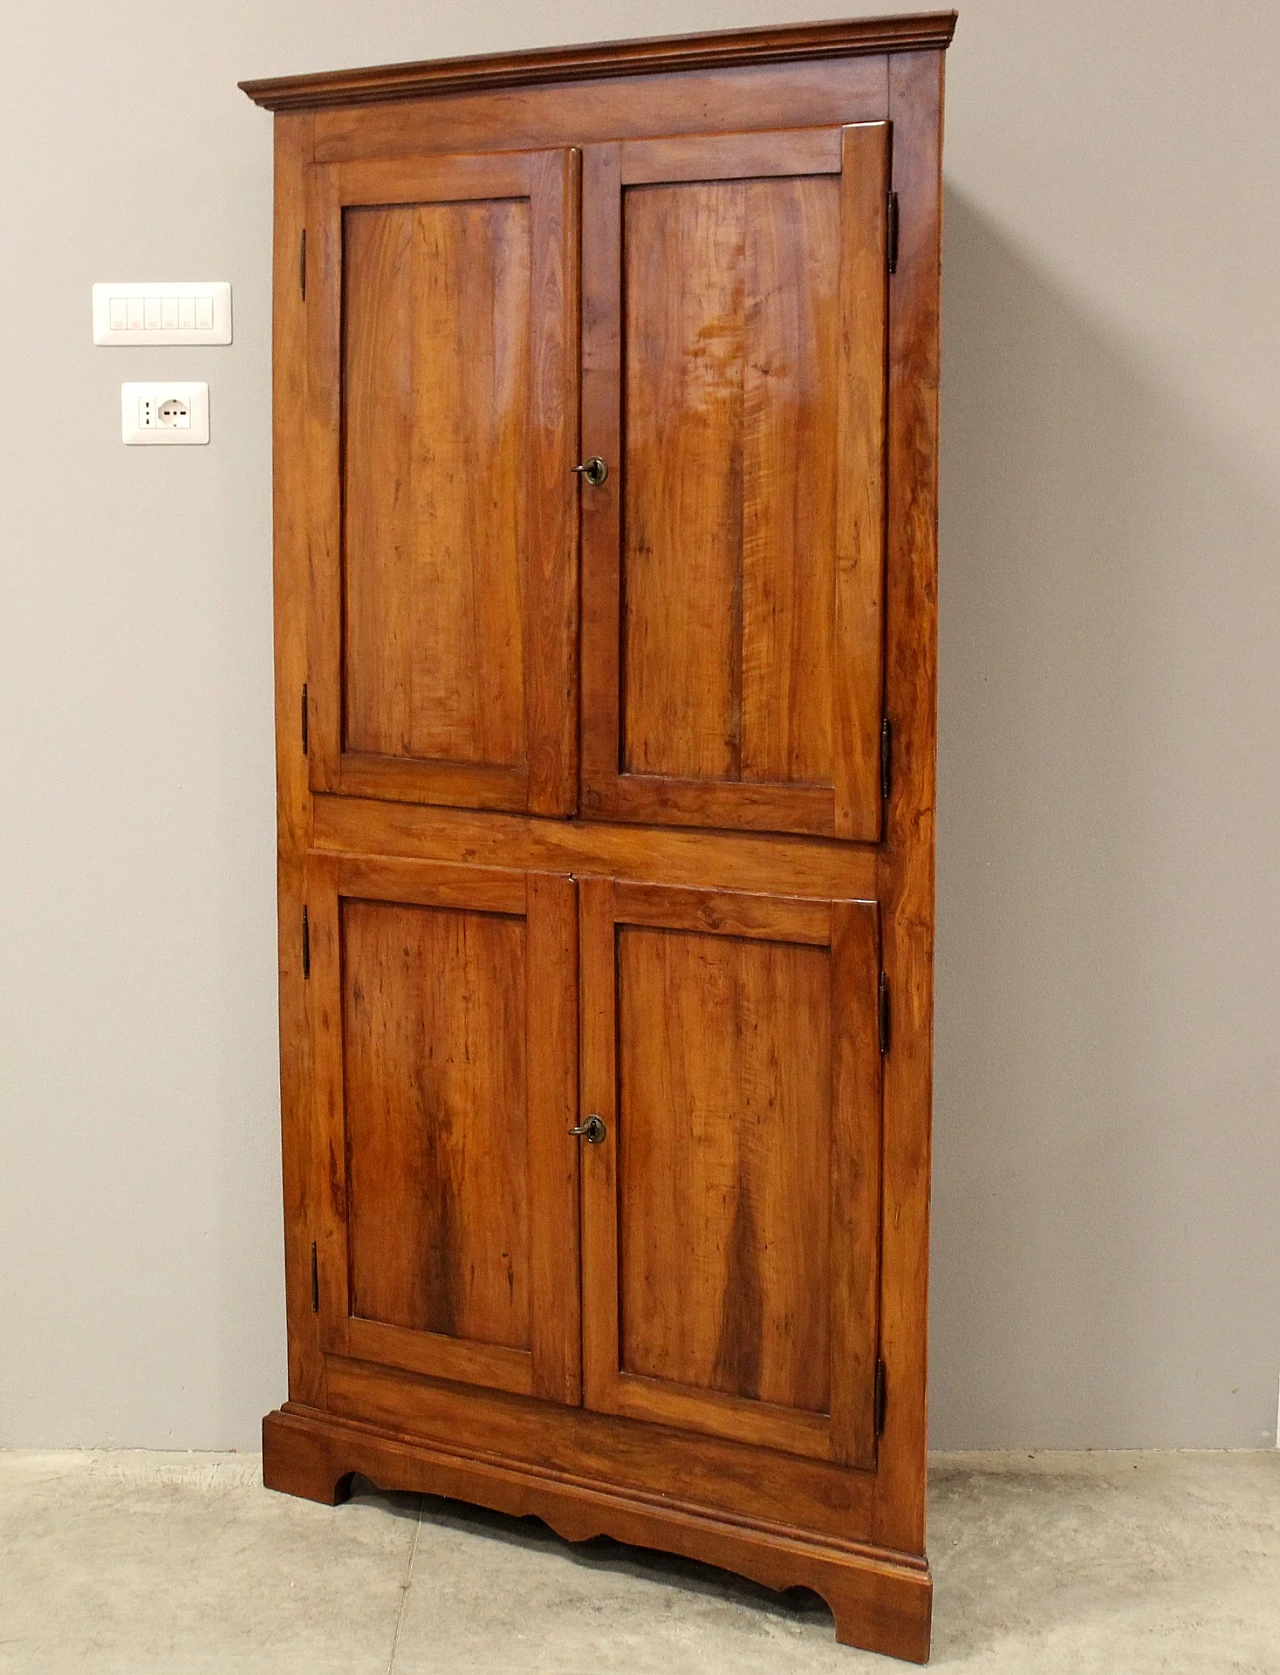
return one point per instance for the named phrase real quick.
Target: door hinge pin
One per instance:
(891, 232)
(306, 735)
(884, 1013)
(302, 264)
(315, 1280)
(886, 758)
(881, 1397)
(306, 944)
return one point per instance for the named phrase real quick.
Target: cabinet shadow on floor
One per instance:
(601, 1553)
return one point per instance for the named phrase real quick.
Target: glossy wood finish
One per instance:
(734, 366)
(877, 1601)
(737, 1438)
(667, 855)
(730, 1221)
(436, 374)
(905, 861)
(444, 1021)
(725, 100)
(301, 1171)
(442, 429)
(659, 55)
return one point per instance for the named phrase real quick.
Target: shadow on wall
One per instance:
(1106, 1267)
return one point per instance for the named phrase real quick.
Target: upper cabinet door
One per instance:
(442, 425)
(734, 376)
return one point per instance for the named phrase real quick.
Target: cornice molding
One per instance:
(655, 56)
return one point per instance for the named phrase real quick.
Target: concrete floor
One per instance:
(1104, 1564)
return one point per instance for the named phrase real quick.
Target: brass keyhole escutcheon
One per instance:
(592, 1131)
(595, 470)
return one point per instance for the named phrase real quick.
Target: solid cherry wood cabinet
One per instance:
(605, 452)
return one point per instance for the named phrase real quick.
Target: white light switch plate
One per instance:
(187, 311)
(164, 415)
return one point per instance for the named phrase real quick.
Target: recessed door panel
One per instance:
(442, 321)
(735, 356)
(444, 1021)
(436, 351)
(436, 1120)
(732, 295)
(724, 1162)
(731, 1211)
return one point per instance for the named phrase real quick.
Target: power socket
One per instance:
(164, 413)
(172, 414)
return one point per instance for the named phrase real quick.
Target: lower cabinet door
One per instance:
(443, 1006)
(730, 1045)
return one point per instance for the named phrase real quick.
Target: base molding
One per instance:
(881, 1602)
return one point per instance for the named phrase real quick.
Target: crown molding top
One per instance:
(611, 58)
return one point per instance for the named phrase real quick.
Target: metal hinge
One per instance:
(886, 758)
(891, 232)
(306, 731)
(881, 1396)
(884, 1013)
(302, 264)
(315, 1280)
(306, 945)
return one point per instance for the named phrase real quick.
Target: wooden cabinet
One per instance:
(606, 794)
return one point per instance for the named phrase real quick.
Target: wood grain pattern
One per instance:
(436, 378)
(443, 312)
(294, 137)
(878, 1601)
(906, 858)
(860, 480)
(790, 438)
(732, 641)
(743, 156)
(708, 101)
(551, 1054)
(451, 1225)
(601, 548)
(728, 860)
(668, 1465)
(436, 1128)
(682, 525)
(598, 1085)
(857, 1074)
(736, 1098)
(659, 55)
(725, 913)
(551, 602)
(724, 1137)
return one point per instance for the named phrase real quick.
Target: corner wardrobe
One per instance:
(605, 478)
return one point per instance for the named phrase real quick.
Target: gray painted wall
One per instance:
(1107, 1225)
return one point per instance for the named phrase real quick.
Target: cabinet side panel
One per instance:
(293, 147)
(906, 863)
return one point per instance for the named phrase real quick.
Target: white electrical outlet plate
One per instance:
(154, 312)
(164, 415)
